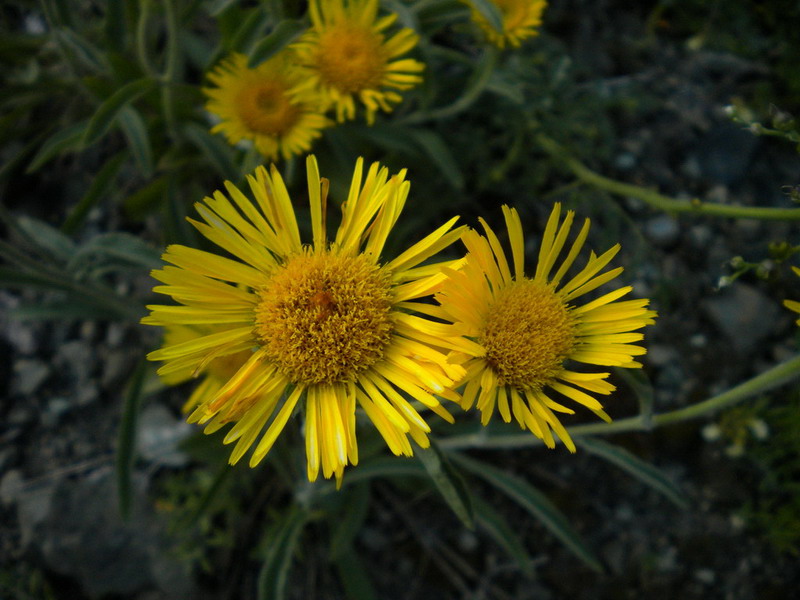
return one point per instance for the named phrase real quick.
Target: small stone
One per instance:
(159, 436)
(662, 230)
(625, 161)
(115, 335)
(467, 542)
(705, 576)
(56, 407)
(28, 376)
(10, 487)
(743, 314)
(659, 355)
(77, 356)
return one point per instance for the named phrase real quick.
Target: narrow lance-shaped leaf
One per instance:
(284, 34)
(635, 466)
(495, 524)
(62, 141)
(97, 190)
(449, 483)
(101, 122)
(353, 575)
(281, 548)
(126, 449)
(535, 503)
(434, 146)
(135, 131)
(345, 529)
(215, 150)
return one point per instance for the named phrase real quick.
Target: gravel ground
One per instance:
(61, 386)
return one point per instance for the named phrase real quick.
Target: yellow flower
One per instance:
(520, 20)
(793, 304)
(350, 57)
(521, 335)
(326, 322)
(262, 105)
(214, 374)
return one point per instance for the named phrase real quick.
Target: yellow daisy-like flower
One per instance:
(521, 18)
(213, 376)
(325, 322)
(263, 105)
(521, 333)
(350, 56)
(793, 304)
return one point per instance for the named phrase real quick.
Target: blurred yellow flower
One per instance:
(212, 375)
(327, 322)
(350, 57)
(521, 18)
(263, 105)
(521, 335)
(793, 304)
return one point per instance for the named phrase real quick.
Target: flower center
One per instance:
(350, 59)
(324, 317)
(265, 108)
(528, 334)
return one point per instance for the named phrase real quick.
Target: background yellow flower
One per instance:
(521, 18)
(262, 105)
(351, 57)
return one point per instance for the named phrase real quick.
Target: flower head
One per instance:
(793, 304)
(263, 105)
(520, 20)
(520, 333)
(349, 56)
(327, 323)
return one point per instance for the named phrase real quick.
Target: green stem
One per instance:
(171, 69)
(772, 378)
(657, 200)
(478, 82)
(141, 38)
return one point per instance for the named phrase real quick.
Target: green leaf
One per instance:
(62, 310)
(281, 548)
(135, 131)
(536, 504)
(217, 151)
(113, 251)
(449, 483)
(14, 279)
(62, 141)
(384, 466)
(495, 524)
(47, 238)
(126, 448)
(144, 200)
(99, 188)
(83, 50)
(635, 466)
(345, 529)
(102, 120)
(215, 7)
(353, 576)
(490, 11)
(284, 34)
(435, 147)
(245, 35)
